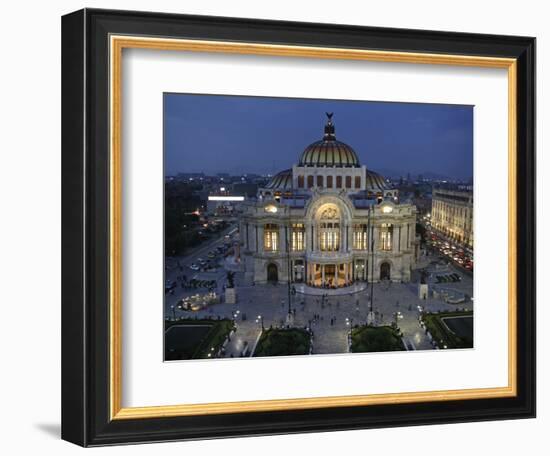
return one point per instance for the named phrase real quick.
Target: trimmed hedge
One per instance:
(375, 339)
(441, 334)
(283, 342)
(214, 338)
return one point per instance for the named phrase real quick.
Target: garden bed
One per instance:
(195, 339)
(283, 342)
(451, 329)
(375, 339)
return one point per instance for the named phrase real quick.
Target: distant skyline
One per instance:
(239, 135)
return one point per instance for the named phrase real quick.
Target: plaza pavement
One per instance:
(271, 302)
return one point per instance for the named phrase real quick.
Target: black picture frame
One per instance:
(85, 225)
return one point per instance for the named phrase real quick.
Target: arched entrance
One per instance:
(385, 271)
(272, 273)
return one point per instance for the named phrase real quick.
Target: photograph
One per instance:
(297, 226)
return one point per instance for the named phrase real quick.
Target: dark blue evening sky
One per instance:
(237, 135)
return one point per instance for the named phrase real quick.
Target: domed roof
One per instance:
(281, 181)
(329, 151)
(376, 182)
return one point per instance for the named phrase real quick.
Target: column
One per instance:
(399, 240)
(346, 272)
(260, 238)
(322, 274)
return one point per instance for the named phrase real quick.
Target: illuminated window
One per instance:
(357, 182)
(271, 237)
(300, 181)
(360, 237)
(298, 235)
(386, 231)
(329, 236)
(309, 181)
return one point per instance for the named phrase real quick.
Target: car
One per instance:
(211, 255)
(194, 267)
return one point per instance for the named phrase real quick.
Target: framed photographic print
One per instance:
(276, 227)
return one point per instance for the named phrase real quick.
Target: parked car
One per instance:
(194, 267)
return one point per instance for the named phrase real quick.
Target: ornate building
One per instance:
(328, 220)
(453, 214)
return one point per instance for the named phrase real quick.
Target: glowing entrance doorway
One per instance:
(331, 275)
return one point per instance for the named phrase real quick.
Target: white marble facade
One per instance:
(329, 221)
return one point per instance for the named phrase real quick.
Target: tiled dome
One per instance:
(281, 181)
(376, 182)
(329, 151)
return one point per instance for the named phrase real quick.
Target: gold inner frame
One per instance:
(117, 44)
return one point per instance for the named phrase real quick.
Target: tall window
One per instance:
(329, 236)
(271, 237)
(348, 181)
(386, 231)
(309, 181)
(338, 181)
(360, 237)
(298, 235)
(357, 182)
(319, 181)
(300, 181)
(329, 181)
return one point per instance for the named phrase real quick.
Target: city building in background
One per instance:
(452, 214)
(328, 222)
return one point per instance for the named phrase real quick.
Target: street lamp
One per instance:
(173, 311)
(261, 320)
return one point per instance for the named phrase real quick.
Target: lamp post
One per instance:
(261, 320)
(349, 322)
(173, 312)
(289, 265)
(370, 316)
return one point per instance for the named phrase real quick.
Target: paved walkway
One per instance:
(394, 303)
(313, 291)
